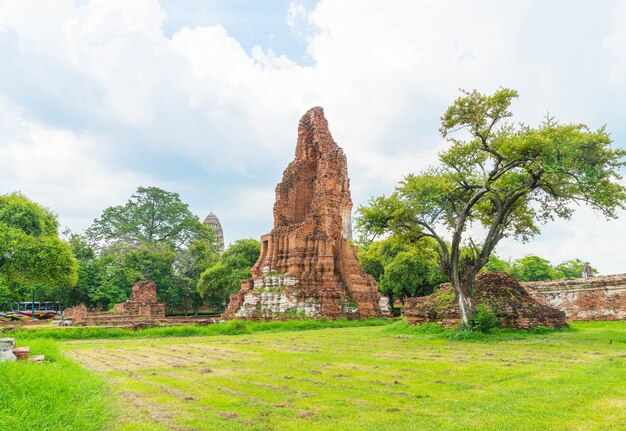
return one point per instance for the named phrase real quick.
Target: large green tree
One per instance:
(572, 269)
(103, 279)
(218, 282)
(500, 179)
(188, 267)
(153, 236)
(151, 216)
(31, 252)
(533, 268)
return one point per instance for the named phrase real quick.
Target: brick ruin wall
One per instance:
(501, 292)
(592, 298)
(142, 303)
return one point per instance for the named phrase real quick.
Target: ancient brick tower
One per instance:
(306, 266)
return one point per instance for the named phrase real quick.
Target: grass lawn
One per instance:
(365, 378)
(55, 395)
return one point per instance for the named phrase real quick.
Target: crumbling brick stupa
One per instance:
(499, 291)
(307, 267)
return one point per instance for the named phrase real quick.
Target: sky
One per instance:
(203, 97)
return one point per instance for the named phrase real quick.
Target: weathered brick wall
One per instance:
(593, 298)
(77, 314)
(501, 292)
(144, 291)
(143, 301)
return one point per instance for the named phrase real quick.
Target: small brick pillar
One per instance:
(77, 314)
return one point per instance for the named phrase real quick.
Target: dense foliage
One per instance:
(535, 268)
(223, 278)
(32, 256)
(498, 179)
(401, 268)
(154, 236)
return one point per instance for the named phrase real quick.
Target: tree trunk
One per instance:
(462, 284)
(466, 306)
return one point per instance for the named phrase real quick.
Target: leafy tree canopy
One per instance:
(572, 269)
(402, 268)
(535, 268)
(503, 178)
(31, 252)
(151, 216)
(222, 279)
(154, 236)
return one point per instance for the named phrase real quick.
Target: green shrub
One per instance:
(223, 328)
(484, 319)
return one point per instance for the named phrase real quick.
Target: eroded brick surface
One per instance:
(592, 298)
(501, 292)
(143, 301)
(306, 266)
(142, 307)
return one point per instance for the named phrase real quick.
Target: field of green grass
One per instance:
(346, 378)
(55, 395)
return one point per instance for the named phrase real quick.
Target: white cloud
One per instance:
(97, 87)
(61, 170)
(587, 236)
(296, 12)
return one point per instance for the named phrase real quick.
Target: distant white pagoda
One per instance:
(214, 223)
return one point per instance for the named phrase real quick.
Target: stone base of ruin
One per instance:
(6, 349)
(592, 298)
(275, 296)
(501, 292)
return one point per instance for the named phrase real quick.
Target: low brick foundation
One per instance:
(501, 292)
(141, 308)
(592, 298)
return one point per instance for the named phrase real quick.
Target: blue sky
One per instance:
(251, 23)
(98, 97)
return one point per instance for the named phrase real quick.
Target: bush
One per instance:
(484, 319)
(430, 330)
(233, 327)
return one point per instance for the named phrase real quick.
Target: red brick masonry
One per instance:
(306, 265)
(142, 303)
(501, 292)
(593, 298)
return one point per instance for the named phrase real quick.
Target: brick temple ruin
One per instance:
(515, 307)
(142, 306)
(141, 310)
(590, 298)
(306, 266)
